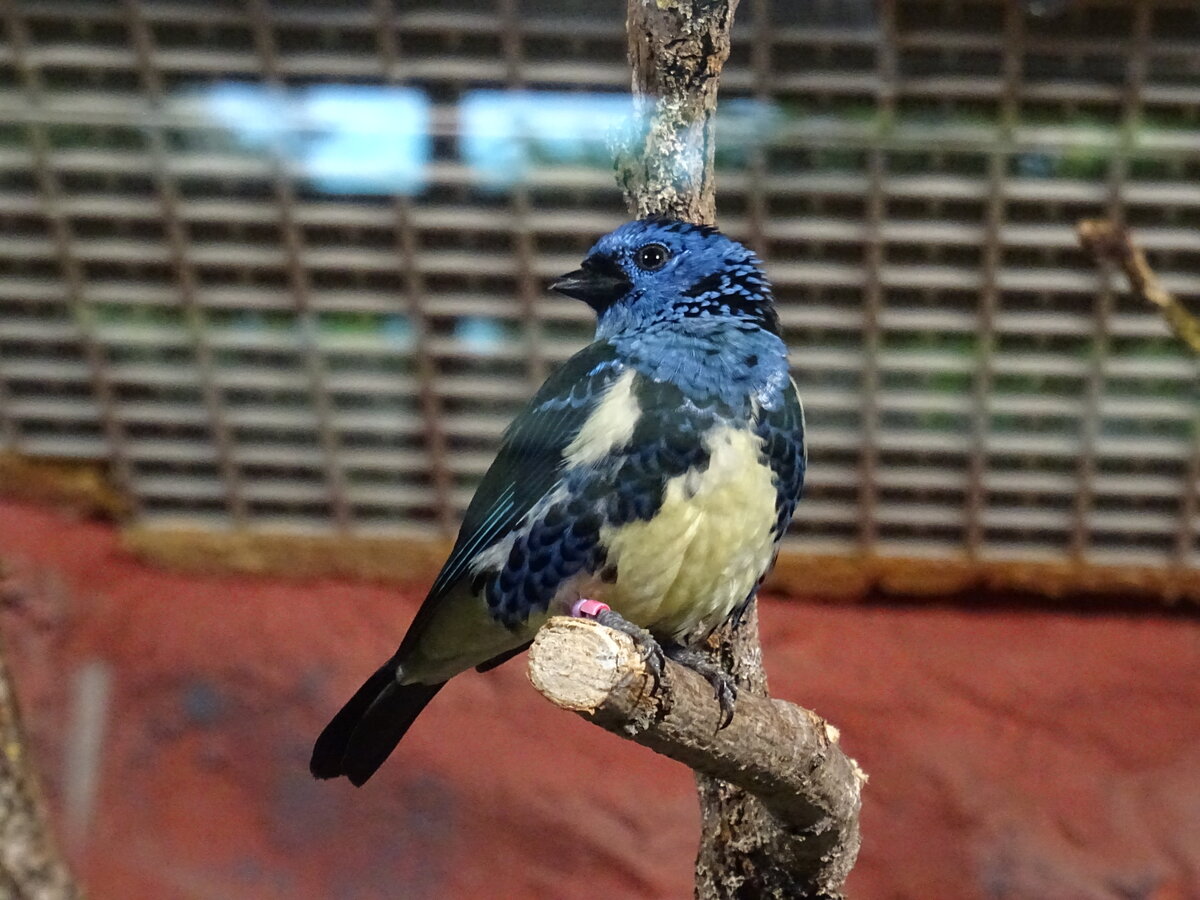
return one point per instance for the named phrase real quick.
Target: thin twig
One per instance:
(1111, 244)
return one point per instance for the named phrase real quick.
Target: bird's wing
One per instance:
(782, 432)
(530, 458)
(361, 736)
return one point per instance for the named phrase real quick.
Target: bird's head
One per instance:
(664, 270)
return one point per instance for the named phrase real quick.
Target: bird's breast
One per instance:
(681, 572)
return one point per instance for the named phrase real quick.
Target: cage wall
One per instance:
(283, 265)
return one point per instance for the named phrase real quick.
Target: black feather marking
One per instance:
(525, 470)
(782, 433)
(679, 226)
(568, 542)
(709, 284)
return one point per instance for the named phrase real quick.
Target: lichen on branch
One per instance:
(676, 50)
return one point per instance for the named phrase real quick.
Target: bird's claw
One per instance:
(726, 691)
(655, 659)
(724, 686)
(652, 653)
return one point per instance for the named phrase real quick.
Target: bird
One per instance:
(648, 484)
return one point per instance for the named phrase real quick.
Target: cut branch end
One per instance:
(805, 791)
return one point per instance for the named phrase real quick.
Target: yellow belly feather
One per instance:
(683, 572)
(679, 574)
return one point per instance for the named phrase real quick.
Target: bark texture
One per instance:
(747, 848)
(31, 867)
(778, 793)
(1111, 244)
(676, 49)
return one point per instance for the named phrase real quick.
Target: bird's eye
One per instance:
(652, 257)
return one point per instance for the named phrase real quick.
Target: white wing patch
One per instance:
(609, 427)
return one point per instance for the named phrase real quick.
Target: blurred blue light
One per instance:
(366, 140)
(398, 329)
(256, 115)
(504, 132)
(1033, 164)
(345, 139)
(744, 123)
(363, 139)
(480, 335)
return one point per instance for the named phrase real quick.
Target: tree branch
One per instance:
(779, 800)
(787, 757)
(30, 863)
(1112, 245)
(676, 50)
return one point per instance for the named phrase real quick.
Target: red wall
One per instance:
(1012, 754)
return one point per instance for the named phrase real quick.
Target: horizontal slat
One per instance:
(305, 383)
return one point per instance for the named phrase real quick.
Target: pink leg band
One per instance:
(589, 608)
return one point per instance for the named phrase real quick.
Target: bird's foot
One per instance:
(724, 686)
(651, 650)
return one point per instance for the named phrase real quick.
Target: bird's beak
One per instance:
(597, 285)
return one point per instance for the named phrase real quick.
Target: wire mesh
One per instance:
(255, 337)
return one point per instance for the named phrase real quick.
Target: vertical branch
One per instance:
(30, 863)
(745, 850)
(677, 49)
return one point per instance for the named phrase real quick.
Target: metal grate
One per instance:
(212, 276)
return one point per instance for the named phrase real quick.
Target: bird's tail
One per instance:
(367, 729)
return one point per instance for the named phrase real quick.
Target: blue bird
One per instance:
(655, 471)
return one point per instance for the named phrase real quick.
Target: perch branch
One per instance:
(1112, 245)
(784, 824)
(788, 758)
